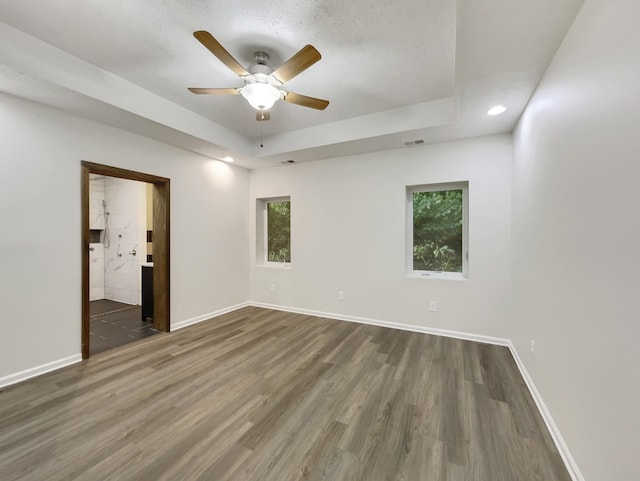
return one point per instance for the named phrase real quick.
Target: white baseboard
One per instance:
(561, 446)
(52, 366)
(394, 325)
(195, 320)
(38, 370)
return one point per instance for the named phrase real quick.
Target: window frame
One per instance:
(262, 232)
(437, 187)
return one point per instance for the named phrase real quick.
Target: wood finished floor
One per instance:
(266, 395)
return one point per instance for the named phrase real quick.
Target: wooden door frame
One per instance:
(161, 208)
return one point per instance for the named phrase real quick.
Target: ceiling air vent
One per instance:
(409, 143)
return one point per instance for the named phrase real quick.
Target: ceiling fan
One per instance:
(263, 85)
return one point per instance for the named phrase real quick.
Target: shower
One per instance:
(105, 237)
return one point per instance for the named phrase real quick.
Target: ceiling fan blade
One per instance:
(206, 39)
(305, 101)
(301, 61)
(196, 90)
(263, 115)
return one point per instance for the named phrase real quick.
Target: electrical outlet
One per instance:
(341, 295)
(433, 306)
(272, 287)
(532, 348)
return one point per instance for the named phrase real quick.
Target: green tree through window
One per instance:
(279, 231)
(437, 231)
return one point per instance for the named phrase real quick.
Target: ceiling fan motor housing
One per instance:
(261, 74)
(261, 58)
(260, 69)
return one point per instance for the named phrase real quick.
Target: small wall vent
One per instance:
(288, 161)
(409, 143)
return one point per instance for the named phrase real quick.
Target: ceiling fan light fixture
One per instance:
(261, 96)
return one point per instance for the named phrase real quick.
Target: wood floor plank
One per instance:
(266, 395)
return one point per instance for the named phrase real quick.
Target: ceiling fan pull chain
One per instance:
(261, 132)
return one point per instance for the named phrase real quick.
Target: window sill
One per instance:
(276, 265)
(442, 276)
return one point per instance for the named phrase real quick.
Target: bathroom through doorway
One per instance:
(125, 261)
(120, 251)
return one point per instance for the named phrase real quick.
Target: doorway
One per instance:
(157, 276)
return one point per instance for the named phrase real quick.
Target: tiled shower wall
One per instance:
(127, 232)
(96, 250)
(114, 270)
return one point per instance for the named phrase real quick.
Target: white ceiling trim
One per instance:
(123, 104)
(409, 118)
(33, 57)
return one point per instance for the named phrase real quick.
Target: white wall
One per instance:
(348, 233)
(576, 226)
(40, 274)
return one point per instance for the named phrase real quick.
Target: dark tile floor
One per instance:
(114, 324)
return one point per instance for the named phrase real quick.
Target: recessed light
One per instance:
(228, 159)
(496, 110)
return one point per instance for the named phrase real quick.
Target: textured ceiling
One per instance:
(390, 69)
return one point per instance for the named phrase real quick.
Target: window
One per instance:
(279, 231)
(274, 230)
(437, 230)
